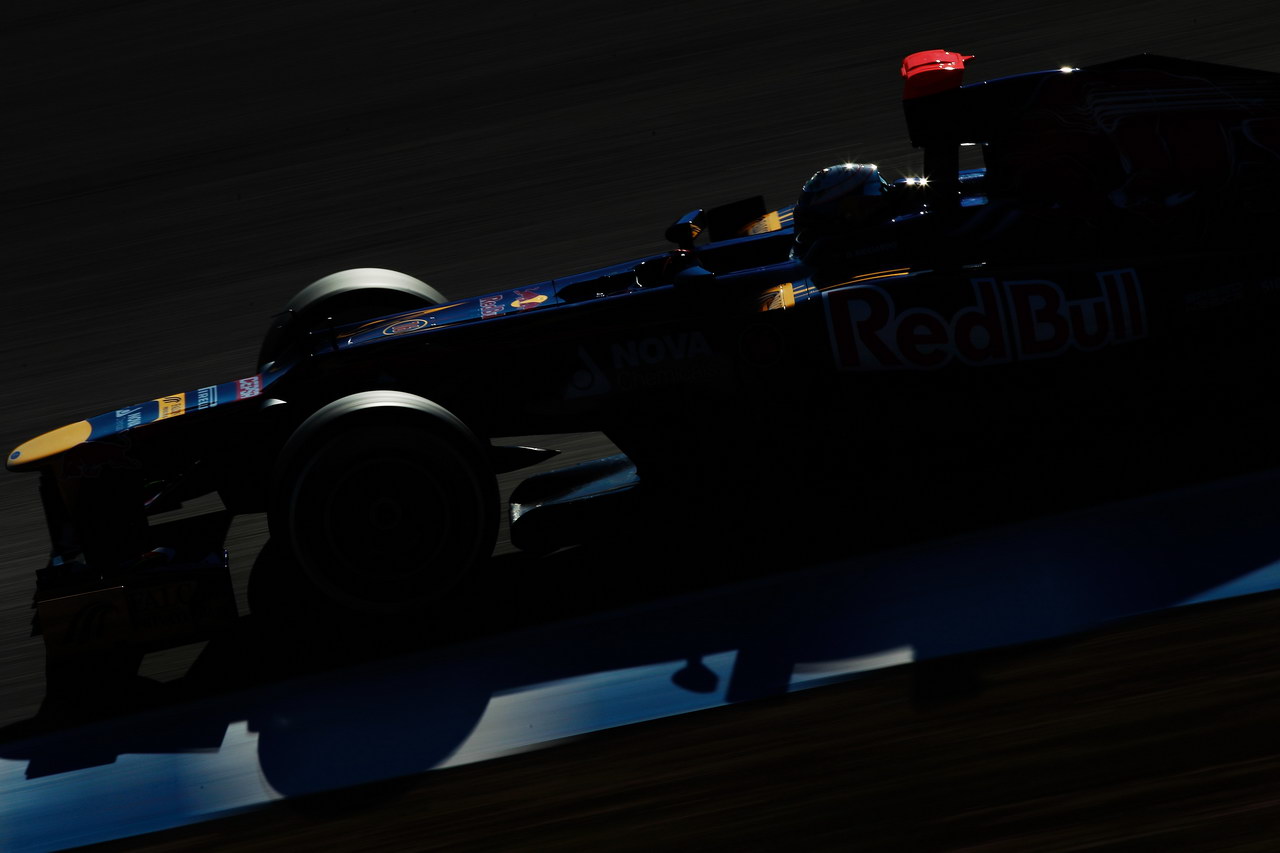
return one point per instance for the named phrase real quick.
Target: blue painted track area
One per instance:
(511, 693)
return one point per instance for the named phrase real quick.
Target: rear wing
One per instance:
(1073, 134)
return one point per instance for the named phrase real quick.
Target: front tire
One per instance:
(385, 501)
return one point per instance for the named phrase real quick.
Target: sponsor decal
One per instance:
(491, 306)
(649, 362)
(129, 418)
(588, 380)
(249, 387)
(206, 398)
(369, 327)
(527, 298)
(404, 327)
(1009, 321)
(677, 373)
(162, 606)
(172, 406)
(659, 349)
(1217, 296)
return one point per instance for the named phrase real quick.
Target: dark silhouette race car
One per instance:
(1088, 310)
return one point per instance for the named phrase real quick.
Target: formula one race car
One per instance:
(1093, 306)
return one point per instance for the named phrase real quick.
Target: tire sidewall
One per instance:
(348, 296)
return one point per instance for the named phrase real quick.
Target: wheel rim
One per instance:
(389, 527)
(388, 519)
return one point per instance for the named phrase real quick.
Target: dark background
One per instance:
(174, 171)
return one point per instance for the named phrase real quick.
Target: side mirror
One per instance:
(686, 229)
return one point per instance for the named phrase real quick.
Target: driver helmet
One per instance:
(837, 201)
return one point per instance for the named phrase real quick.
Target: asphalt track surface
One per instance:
(175, 171)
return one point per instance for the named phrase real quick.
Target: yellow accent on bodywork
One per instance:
(780, 297)
(769, 222)
(50, 444)
(172, 406)
(871, 276)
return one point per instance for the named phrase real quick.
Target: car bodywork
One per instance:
(1107, 272)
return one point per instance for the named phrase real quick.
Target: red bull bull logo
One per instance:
(527, 298)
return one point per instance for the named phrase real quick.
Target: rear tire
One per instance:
(344, 297)
(385, 501)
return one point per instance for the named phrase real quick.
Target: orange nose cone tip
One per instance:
(50, 444)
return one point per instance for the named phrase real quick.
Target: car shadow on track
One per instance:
(296, 635)
(675, 618)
